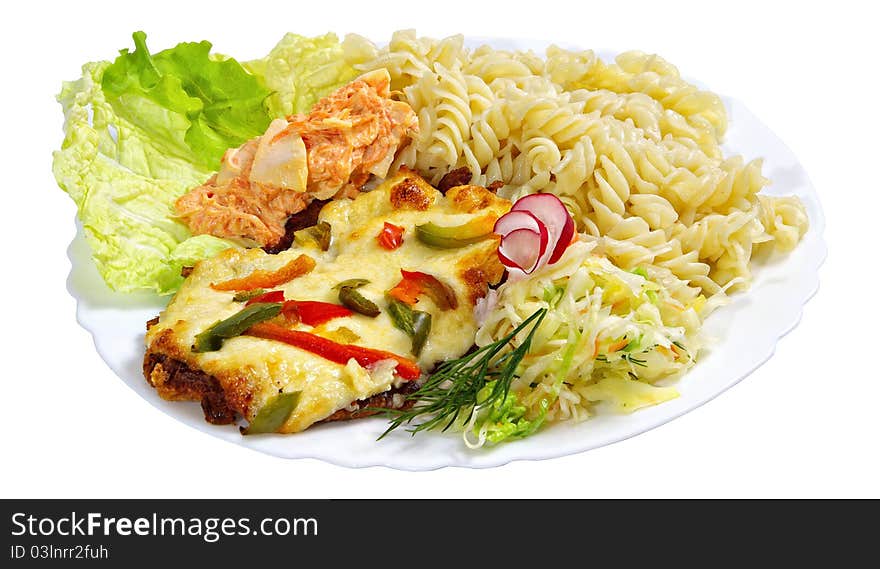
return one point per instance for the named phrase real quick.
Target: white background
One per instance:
(804, 424)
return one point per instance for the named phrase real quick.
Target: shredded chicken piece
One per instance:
(240, 210)
(348, 136)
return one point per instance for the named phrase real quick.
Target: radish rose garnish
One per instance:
(524, 240)
(535, 232)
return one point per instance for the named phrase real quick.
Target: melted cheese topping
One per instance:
(262, 368)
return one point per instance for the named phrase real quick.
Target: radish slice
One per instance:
(524, 240)
(514, 220)
(565, 239)
(550, 211)
(522, 248)
(525, 249)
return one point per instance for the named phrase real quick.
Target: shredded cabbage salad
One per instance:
(610, 336)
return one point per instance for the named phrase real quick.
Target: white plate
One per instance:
(747, 331)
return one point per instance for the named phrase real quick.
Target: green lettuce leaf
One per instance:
(300, 70)
(219, 104)
(124, 181)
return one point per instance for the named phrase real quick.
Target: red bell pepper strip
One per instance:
(271, 296)
(406, 291)
(269, 279)
(391, 236)
(314, 313)
(310, 312)
(415, 283)
(333, 351)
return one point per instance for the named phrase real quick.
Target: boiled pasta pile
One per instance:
(631, 148)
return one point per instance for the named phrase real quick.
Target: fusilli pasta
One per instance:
(631, 148)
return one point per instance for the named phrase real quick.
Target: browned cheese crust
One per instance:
(409, 195)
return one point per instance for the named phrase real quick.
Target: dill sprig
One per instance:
(452, 390)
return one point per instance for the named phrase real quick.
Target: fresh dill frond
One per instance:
(451, 392)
